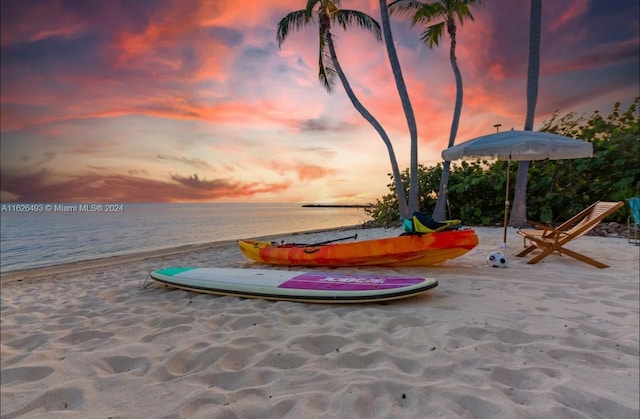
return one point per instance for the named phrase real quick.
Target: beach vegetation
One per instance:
(558, 189)
(439, 16)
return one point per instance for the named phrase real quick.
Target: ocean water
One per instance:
(51, 234)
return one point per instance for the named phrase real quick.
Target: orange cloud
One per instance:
(304, 171)
(312, 172)
(75, 79)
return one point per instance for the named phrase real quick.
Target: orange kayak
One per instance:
(409, 250)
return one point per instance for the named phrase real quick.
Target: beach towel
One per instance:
(633, 222)
(634, 204)
(422, 223)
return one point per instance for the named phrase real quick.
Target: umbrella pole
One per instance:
(506, 206)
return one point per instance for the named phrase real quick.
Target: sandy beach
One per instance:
(554, 340)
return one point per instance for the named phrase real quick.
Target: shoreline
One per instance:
(87, 264)
(555, 339)
(78, 266)
(81, 265)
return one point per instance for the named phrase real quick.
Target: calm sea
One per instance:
(51, 234)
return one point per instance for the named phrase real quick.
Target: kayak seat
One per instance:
(421, 223)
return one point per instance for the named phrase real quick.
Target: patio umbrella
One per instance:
(519, 145)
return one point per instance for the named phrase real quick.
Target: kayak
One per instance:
(405, 250)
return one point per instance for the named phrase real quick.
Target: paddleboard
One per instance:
(316, 287)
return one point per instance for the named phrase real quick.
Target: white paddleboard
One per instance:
(311, 286)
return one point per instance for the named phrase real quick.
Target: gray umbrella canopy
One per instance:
(519, 145)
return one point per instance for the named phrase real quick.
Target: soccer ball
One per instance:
(497, 260)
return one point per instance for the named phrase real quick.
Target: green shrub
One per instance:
(557, 189)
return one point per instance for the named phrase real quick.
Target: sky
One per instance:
(193, 100)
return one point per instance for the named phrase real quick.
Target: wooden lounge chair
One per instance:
(549, 239)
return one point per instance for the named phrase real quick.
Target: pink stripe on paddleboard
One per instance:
(324, 281)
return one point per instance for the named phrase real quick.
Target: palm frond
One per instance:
(425, 13)
(310, 5)
(430, 13)
(463, 13)
(405, 8)
(328, 12)
(291, 22)
(433, 34)
(347, 18)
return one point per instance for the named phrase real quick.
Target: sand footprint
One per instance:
(240, 356)
(188, 361)
(475, 333)
(57, 399)
(620, 314)
(516, 337)
(433, 373)
(205, 407)
(584, 357)
(630, 297)
(281, 360)
(29, 343)
(168, 321)
(77, 338)
(479, 407)
(164, 333)
(24, 374)
(406, 365)
(320, 344)
(524, 379)
(214, 407)
(591, 404)
(219, 382)
(365, 361)
(122, 364)
(401, 323)
(244, 322)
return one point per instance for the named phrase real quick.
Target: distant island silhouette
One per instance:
(336, 206)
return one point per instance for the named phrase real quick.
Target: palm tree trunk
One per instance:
(414, 200)
(519, 213)
(440, 210)
(402, 200)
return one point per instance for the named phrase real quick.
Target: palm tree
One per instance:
(414, 202)
(519, 212)
(444, 13)
(329, 13)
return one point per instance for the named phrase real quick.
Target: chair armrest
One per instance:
(540, 226)
(546, 230)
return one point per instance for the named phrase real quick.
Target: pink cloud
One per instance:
(40, 21)
(598, 56)
(70, 76)
(47, 186)
(560, 14)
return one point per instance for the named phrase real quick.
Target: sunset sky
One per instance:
(193, 101)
